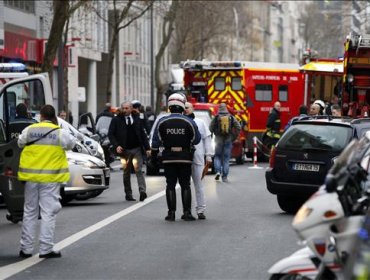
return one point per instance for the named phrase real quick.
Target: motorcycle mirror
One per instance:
(331, 183)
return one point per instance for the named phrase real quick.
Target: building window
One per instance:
(27, 6)
(220, 83)
(283, 93)
(236, 83)
(263, 92)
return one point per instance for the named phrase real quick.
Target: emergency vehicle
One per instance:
(356, 75)
(212, 83)
(249, 89)
(323, 79)
(8, 72)
(35, 92)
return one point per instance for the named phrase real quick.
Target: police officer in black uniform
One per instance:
(177, 134)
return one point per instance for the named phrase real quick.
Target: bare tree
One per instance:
(62, 12)
(204, 30)
(122, 15)
(322, 31)
(167, 29)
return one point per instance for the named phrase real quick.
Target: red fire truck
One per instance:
(265, 83)
(356, 75)
(212, 83)
(249, 89)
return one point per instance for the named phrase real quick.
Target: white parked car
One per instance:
(89, 177)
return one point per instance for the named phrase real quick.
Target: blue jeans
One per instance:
(222, 158)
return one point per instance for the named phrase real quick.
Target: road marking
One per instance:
(14, 268)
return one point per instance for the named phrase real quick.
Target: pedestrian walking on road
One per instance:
(226, 130)
(43, 166)
(107, 112)
(128, 137)
(177, 134)
(150, 116)
(203, 150)
(138, 110)
(103, 121)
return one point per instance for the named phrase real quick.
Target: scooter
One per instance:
(328, 222)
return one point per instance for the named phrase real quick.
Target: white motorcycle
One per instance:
(327, 224)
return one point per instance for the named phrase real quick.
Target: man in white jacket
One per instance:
(203, 150)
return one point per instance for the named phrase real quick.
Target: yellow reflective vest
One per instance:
(44, 161)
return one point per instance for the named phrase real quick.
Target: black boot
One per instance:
(171, 204)
(186, 203)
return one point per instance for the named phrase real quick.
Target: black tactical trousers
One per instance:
(177, 171)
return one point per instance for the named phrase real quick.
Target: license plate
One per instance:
(306, 167)
(107, 172)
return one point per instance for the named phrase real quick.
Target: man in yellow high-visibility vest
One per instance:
(43, 166)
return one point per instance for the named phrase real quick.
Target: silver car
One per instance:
(89, 177)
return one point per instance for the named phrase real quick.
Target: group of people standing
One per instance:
(317, 108)
(187, 147)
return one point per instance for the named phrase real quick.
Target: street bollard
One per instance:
(255, 165)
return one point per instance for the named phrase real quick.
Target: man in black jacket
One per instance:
(127, 135)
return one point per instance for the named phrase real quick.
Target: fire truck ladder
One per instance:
(363, 42)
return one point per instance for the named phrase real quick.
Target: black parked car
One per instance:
(304, 155)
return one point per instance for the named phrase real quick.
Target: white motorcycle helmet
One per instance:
(177, 99)
(321, 104)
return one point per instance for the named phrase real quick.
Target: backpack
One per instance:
(224, 124)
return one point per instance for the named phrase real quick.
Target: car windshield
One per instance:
(74, 132)
(316, 137)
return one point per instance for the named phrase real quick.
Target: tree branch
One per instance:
(137, 16)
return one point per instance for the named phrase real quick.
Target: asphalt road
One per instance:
(108, 238)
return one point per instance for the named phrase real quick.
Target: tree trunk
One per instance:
(61, 14)
(112, 50)
(65, 68)
(168, 27)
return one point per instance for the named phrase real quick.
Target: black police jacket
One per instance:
(177, 134)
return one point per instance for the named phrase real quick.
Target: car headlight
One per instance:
(84, 163)
(101, 152)
(302, 214)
